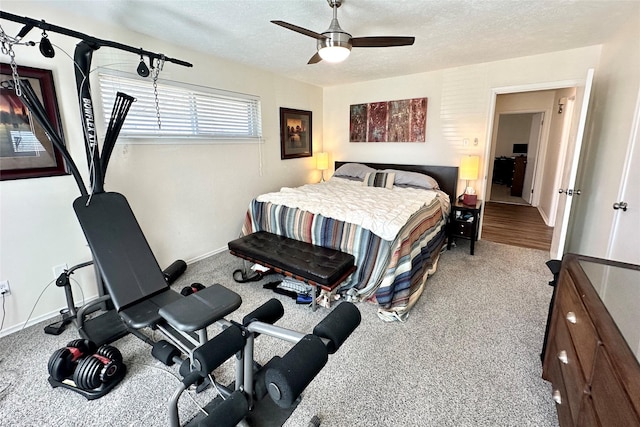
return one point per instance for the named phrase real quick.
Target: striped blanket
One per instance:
(392, 272)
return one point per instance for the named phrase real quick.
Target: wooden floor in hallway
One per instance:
(515, 225)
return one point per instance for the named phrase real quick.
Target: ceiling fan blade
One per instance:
(315, 59)
(381, 41)
(300, 30)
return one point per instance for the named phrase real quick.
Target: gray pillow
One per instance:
(413, 179)
(355, 170)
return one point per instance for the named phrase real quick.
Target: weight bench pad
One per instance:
(201, 308)
(145, 313)
(324, 266)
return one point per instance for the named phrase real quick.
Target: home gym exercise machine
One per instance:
(139, 292)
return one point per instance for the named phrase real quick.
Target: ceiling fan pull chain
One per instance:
(155, 73)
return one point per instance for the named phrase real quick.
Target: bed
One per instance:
(391, 217)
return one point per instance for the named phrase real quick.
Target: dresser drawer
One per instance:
(610, 401)
(565, 416)
(464, 229)
(575, 317)
(572, 374)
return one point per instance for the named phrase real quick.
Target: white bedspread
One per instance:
(381, 210)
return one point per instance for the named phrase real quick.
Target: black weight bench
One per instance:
(135, 283)
(315, 265)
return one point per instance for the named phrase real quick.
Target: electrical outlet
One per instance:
(59, 269)
(4, 288)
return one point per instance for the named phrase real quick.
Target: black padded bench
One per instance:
(315, 265)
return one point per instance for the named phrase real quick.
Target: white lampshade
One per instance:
(322, 161)
(469, 168)
(334, 53)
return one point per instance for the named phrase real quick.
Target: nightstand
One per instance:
(464, 222)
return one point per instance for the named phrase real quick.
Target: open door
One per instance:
(532, 159)
(569, 167)
(623, 245)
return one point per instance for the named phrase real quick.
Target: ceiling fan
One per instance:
(334, 45)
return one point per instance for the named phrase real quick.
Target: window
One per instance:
(185, 111)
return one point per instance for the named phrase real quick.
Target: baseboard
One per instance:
(546, 220)
(206, 255)
(35, 320)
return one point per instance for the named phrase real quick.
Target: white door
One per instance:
(624, 245)
(570, 169)
(532, 157)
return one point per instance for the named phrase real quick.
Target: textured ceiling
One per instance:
(448, 32)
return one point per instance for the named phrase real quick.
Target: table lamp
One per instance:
(322, 163)
(469, 171)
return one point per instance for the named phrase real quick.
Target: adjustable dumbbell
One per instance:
(63, 361)
(188, 290)
(99, 368)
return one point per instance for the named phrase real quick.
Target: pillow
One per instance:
(355, 170)
(379, 179)
(413, 179)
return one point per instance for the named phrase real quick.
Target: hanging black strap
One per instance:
(118, 115)
(244, 278)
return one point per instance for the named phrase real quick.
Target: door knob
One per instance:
(620, 205)
(570, 192)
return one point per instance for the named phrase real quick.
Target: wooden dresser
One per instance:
(594, 343)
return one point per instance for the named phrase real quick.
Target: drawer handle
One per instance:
(571, 317)
(562, 356)
(557, 397)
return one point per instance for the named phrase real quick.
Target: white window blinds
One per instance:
(185, 111)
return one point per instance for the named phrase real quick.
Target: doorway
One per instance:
(515, 157)
(558, 151)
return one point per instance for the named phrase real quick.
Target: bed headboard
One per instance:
(447, 176)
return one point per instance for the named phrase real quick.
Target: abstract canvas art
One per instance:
(389, 121)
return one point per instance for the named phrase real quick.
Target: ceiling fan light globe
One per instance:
(334, 53)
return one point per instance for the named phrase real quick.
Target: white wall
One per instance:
(458, 107)
(512, 129)
(615, 92)
(189, 199)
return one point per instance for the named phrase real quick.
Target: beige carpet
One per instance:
(467, 356)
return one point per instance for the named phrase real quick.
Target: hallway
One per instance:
(502, 193)
(515, 225)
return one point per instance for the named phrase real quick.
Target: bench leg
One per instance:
(314, 304)
(245, 270)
